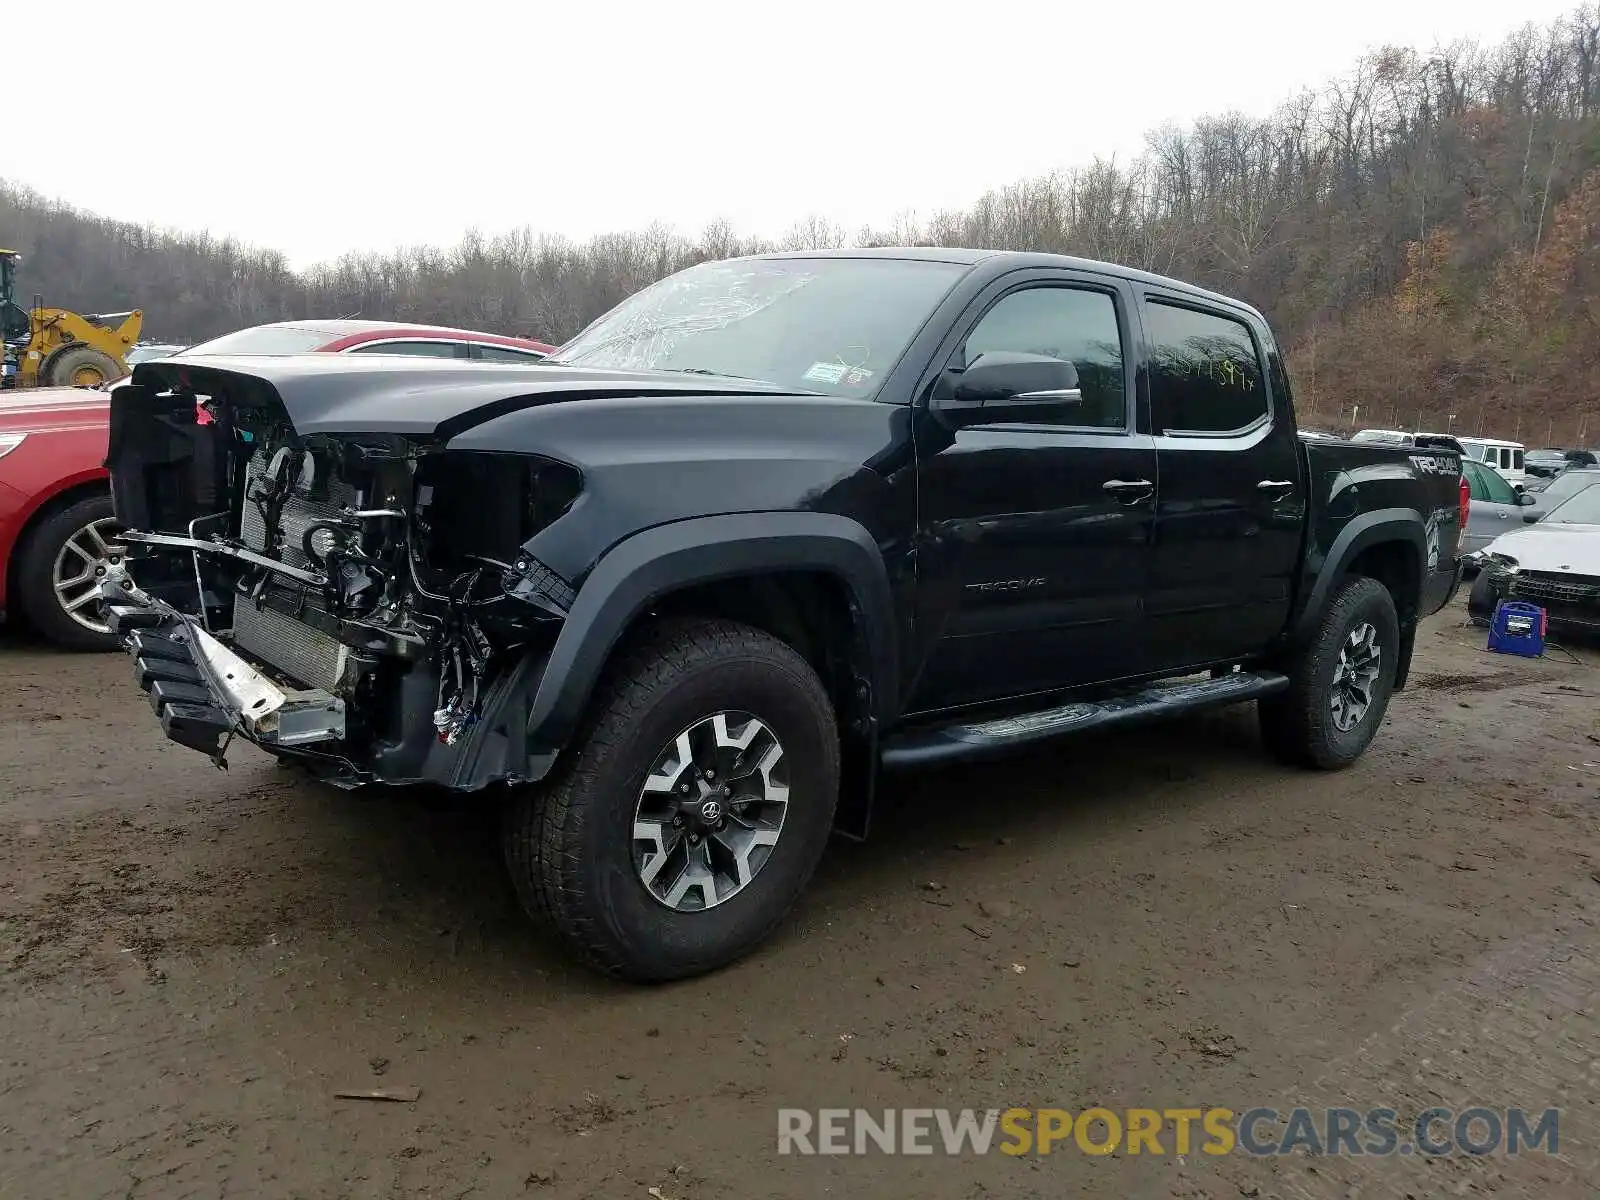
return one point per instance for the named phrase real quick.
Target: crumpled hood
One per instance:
(1546, 547)
(416, 397)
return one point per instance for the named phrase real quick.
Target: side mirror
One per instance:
(1000, 386)
(1526, 500)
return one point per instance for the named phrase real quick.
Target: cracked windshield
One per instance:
(816, 324)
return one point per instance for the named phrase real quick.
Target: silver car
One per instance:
(1554, 563)
(1496, 506)
(1552, 492)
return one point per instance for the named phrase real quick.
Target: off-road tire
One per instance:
(568, 844)
(31, 576)
(61, 366)
(1297, 725)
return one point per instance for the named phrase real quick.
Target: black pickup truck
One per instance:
(769, 527)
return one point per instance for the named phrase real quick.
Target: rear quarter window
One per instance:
(504, 354)
(1496, 489)
(1474, 484)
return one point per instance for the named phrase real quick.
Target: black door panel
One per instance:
(1226, 549)
(1232, 502)
(1029, 567)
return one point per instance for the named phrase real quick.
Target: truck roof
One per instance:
(1015, 259)
(343, 326)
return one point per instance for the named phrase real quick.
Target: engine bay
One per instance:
(385, 571)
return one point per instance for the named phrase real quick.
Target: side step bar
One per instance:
(945, 743)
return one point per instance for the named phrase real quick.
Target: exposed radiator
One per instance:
(300, 651)
(304, 653)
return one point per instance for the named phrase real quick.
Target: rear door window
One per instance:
(1205, 371)
(1476, 488)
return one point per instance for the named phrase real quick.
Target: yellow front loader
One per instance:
(53, 347)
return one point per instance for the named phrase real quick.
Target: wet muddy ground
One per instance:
(194, 962)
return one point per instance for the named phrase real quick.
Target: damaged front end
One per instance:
(360, 603)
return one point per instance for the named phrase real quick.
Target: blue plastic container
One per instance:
(1517, 628)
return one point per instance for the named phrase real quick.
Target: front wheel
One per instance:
(693, 809)
(58, 571)
(1339, 681)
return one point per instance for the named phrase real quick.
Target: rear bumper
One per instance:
(202, 692)
(1455, 584)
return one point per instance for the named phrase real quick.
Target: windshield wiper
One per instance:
(716, 374)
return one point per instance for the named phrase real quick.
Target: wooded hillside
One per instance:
(1424, 232)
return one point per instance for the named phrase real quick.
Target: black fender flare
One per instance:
(1362, 531)
(646, 566)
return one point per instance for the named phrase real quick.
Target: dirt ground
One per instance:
(194, 962)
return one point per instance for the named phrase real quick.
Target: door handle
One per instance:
(1129, 491)
(1275, 485)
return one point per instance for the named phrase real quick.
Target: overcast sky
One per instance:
(318, 128)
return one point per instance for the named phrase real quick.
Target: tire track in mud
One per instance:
(1462, 681)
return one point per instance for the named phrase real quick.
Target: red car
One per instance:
(56, 530)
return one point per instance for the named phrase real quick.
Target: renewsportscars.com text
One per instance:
(1258, 1132)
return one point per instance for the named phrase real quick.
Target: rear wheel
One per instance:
(692, 812)
(58, 571)
(1339, 681)
(80, 366)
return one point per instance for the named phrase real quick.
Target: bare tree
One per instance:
(1433, 213)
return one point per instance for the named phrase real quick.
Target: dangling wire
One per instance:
(466, 660)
